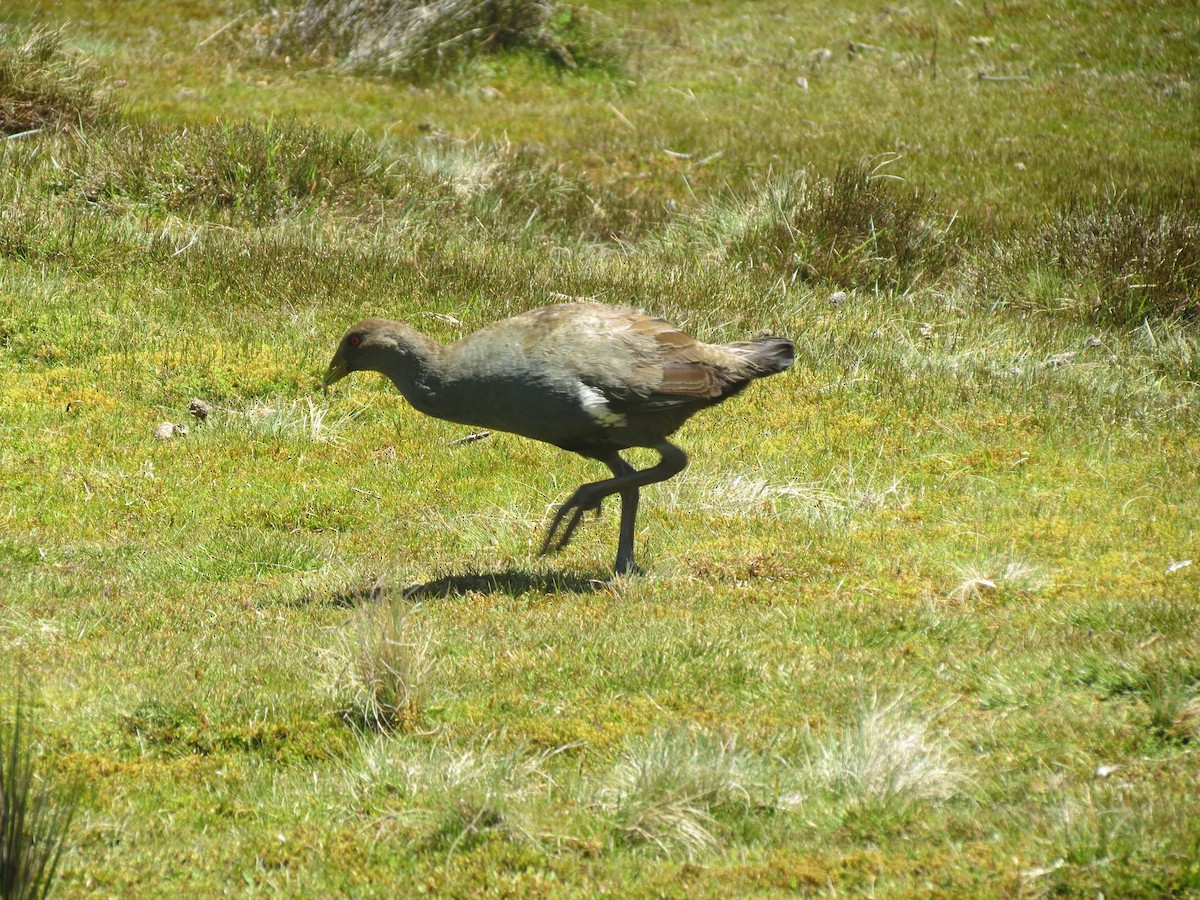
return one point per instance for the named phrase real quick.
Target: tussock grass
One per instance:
(35, 818)
(1185, 716)
(248, 172)
(1102, 836)
(43, 85)
(863, 228)
(1172, 700)
(515, 189)
(1119, 261)
(278, 418)
(667, 789)
(428, 40)
(391, 665)
(1003, 578)
(1169, 348)
(453, 798)
(844, 498)
(279, 172)
(1095, 825)
(888, 758)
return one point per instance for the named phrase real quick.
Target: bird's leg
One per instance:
(589, 497)
(626, 481)
(629, 505)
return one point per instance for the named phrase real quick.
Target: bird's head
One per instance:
(379, 345)
(353, 351)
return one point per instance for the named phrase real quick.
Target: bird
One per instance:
(590, 378)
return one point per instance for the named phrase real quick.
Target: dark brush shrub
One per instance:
(43, 86)
(1139, 258)
(859, 229)
(427, 39)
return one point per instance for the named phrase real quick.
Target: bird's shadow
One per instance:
(510, 582)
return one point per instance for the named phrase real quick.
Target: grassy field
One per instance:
(919, 619)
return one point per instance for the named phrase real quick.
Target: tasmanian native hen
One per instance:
(587, 377)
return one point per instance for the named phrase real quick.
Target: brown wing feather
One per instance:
(679, 365)
(626, 354)
(692, 378)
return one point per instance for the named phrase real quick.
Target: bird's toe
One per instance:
(567, 518)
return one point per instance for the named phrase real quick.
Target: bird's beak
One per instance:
(336, 372)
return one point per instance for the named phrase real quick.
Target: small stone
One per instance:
(819, 57)
(837, 298)
(199, 409)
(164, 432)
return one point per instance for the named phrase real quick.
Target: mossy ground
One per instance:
(974, 494)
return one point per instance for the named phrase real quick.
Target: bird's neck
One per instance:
(418, 370)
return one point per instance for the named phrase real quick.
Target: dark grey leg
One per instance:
(629, 504)
(626, 481)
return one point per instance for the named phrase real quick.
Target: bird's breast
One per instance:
(537, 405)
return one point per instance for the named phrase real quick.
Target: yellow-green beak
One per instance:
(336, 372)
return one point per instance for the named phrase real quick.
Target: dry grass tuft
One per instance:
(665, 788)
(1005, 578)
(391, 664)
(42, 86)
(278, 418)
(515, 189)
(888, 756)
(1185, 723)
(423, 39)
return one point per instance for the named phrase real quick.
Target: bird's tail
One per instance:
(768, 355)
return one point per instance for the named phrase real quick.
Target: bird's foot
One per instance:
(627, 568)
(568, 516)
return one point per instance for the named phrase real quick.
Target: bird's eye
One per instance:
(355, 340)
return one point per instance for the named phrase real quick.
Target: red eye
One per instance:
(355, 340)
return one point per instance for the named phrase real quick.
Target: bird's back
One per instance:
(593, 378)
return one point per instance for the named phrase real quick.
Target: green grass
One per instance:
(34, 818)
(918, 619)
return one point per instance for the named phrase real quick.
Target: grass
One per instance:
(887, 758)
(422, 41)
(43, 85)
(35, 820)
(860, 229)
(391, 665)
(919, 617)
(666, 789)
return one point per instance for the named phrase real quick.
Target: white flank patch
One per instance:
(597, 407)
